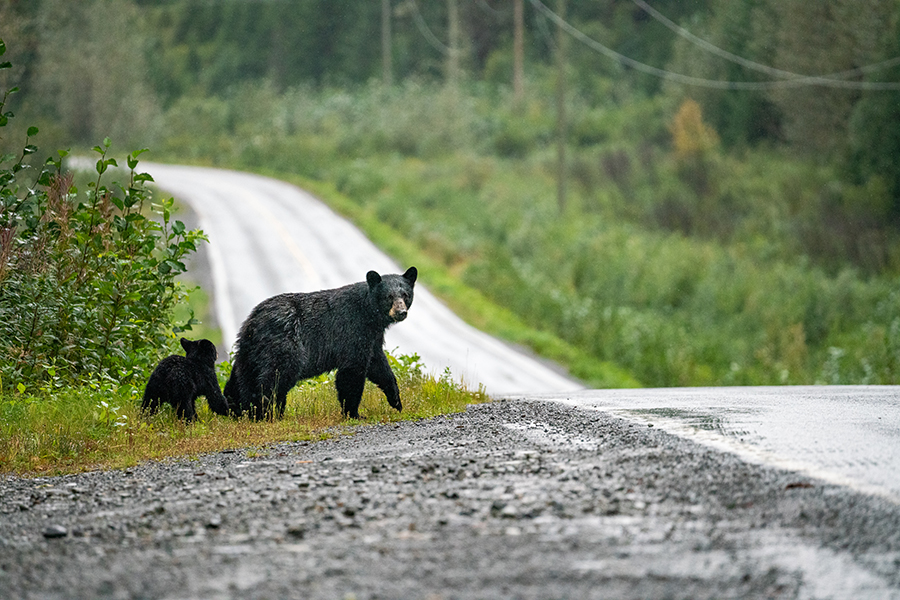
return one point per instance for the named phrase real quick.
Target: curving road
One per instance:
(268, 237)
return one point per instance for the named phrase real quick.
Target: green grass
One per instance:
(78, 429)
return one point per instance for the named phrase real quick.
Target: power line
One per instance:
(426, 32)
(702, 82)
(755, 66)
(483, 5)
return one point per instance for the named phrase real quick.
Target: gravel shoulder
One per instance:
(514, 499)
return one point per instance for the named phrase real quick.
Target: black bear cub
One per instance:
(296, 336)
(180, 380)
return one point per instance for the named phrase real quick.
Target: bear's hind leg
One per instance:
(186, 411)
(153, 395)
(350, 384)
(150, 404)
(284, 386)
(185, 408)
(233, 391)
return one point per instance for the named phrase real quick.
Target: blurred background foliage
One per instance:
(742, 233)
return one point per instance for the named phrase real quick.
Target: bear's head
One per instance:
(202, 351)
(392, 294)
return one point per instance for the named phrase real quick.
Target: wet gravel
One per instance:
(515, 499)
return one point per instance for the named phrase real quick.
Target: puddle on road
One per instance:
(733, 436)
(700, 420)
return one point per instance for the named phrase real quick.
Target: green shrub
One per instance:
(87, 280)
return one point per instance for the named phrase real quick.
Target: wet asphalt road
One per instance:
(847, 435)
(516, 499)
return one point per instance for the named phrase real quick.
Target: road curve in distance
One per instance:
(267, 237)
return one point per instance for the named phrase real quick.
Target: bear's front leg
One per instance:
(381, 375)
(350, 383)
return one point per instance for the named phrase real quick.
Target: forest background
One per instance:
(712, 205)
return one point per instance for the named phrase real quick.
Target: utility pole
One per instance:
(453, 54)
(387, 67)
(518, 52)
(561, 109)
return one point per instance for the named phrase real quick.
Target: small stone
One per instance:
(297, 530)
(55, 531)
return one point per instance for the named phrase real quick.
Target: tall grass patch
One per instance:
(97, 426)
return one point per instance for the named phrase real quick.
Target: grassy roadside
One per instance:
(75, 430)
(468, 303)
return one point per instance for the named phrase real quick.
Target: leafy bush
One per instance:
(87, 280)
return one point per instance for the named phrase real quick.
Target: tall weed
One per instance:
(87, 279)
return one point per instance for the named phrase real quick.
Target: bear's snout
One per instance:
(398, 310)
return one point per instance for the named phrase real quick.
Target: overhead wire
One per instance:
(700, 81)
(483, 5)
(755, 66)
(426, 31)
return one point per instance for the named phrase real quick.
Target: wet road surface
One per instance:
(847, 435)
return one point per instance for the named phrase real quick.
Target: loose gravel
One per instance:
(514, 499)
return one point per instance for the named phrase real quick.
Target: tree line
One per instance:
(100, 67)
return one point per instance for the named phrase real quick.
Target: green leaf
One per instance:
(107, 142)
(178, 228)
(6, 65)
(32, 131)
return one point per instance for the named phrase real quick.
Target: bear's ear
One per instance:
(411, 274)
(187, 344)
(373, 278)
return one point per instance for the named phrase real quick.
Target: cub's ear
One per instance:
(373, 278)
(209, 349)
(411, 274)
(187, 344)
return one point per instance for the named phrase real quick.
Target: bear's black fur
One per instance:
(296, 336)
(179, 380)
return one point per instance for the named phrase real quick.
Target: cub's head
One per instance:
(203, 351)
(392, 294)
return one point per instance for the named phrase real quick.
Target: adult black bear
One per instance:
(296, 336)
(179, 380)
